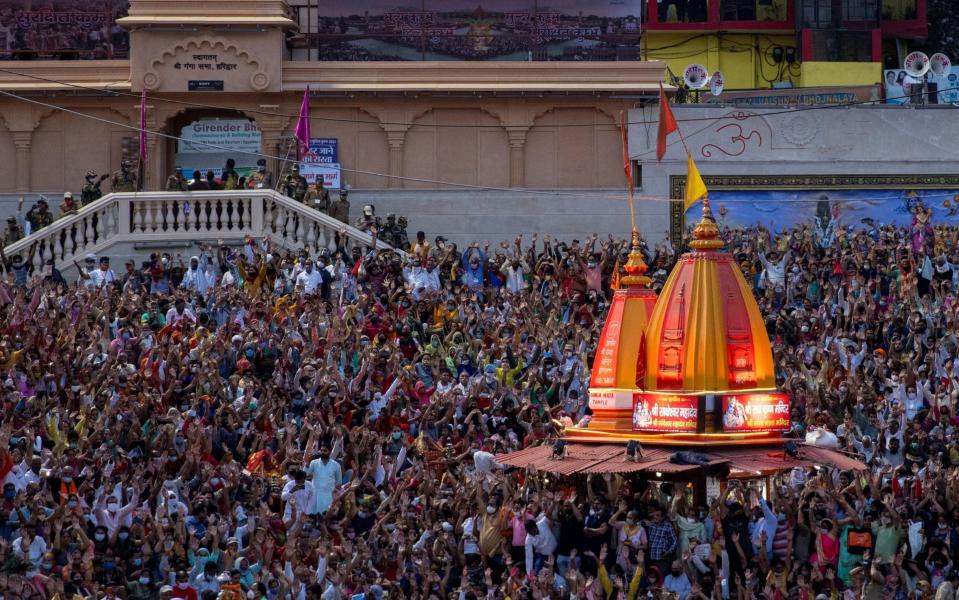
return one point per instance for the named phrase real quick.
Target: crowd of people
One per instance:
(261, 423)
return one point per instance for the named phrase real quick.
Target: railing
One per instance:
(184, 216)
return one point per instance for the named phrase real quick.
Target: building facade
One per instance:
(435, 132)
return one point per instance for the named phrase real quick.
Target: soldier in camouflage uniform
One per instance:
(389, 230)
(177, 182)
(124, 180)
(340, 208)
(39, 215)
(401, 238)
(91, 189)
(13, 232)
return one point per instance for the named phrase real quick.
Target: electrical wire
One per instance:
(622, 197)
(433, 125)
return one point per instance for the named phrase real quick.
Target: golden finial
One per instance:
(635, 266)
(706, 234)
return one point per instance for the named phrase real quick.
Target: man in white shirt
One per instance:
(540, 543)
(29, 547)
(23, 474)
(297, 494)
(104, 275)
(326, 474)
(484, 462)
(309, 280)
(423, 280)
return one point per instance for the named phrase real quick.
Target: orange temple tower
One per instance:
(704, 371)
(691, 370)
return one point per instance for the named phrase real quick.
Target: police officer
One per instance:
(91, 189)
(262, 179)
(295, 184)
(177, 182)
(69, 207)
(340, 208)
(318, 196)
(124, 180)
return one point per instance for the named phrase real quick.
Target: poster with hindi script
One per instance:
(63, 29)
(755, 413)
(660, 413)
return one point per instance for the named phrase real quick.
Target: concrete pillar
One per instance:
(22, 142)
(396, 137)
(271, 134)
(517, 155)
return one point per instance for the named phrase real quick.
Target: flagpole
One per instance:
(628, 168)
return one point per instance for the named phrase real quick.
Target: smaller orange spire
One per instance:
(635, 266)
(706, 233)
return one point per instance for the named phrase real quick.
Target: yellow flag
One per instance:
(695, 188)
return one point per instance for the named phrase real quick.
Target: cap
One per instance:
(179, 168)
(68, 195)
(91, 173)
(447, 526)
(90, 257)
(166, 589)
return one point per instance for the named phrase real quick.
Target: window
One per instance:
(683, 11)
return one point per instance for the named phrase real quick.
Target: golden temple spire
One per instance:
(635, 266)
(706, 233)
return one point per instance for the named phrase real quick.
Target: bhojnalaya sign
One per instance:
(661, 413)
(755, 412)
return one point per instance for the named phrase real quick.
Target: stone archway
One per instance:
(204, 157)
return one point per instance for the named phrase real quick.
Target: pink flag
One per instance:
(302, 131)
(143, 126)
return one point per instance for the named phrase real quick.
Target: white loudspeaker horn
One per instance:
(696, 77)
(916, 64)
(717, 83)
(939, 64)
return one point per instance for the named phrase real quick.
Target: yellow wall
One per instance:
(733, 54)
(840, 73)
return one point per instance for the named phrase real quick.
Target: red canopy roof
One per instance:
(611, 458)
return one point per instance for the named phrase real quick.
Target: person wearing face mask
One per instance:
(183, 589)
(141, 587)
(888, 534)
(474, 267)
(630, 535)
(109, 514)
(422, 277)
(677, 581)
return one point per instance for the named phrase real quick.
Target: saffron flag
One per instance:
(302, 131)
(614, 279)
(695, 187)
(627, 165)
(143, 127)
(667, 124)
